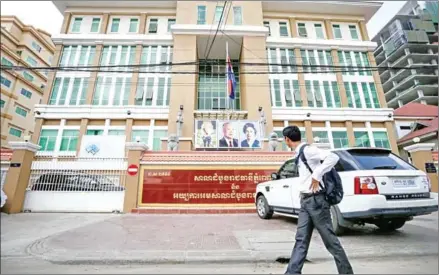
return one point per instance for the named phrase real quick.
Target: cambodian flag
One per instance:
(231, 82)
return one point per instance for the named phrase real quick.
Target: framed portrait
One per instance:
(250, 134)
(206, 134)
(228, 134)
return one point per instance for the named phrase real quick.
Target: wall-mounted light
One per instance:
(37, 112)
(181, 107)
(260, 109)
(316, 139)
(416, 140)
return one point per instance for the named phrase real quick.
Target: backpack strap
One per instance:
(303, 158)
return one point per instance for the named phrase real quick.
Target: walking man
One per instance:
(314, 210)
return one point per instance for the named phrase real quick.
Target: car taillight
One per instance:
(426, 179)
(365, 186)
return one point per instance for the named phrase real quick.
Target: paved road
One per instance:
(108, 243)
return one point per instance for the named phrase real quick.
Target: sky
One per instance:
(51, 19)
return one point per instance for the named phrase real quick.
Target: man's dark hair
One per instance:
(293, 133)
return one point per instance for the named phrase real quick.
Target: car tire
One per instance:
(263, 209)
(335, 221)
(390, 225)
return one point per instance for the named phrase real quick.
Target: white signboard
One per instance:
(102, 147)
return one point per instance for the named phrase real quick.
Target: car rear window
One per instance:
(369, 159)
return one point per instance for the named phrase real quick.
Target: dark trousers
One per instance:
(315, 213)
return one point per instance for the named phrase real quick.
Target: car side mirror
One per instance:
(274, 176)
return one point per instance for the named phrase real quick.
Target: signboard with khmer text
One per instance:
(202, 186)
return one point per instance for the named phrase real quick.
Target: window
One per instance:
(353, 31)
(92, 132)
(347, 87)
(373, 91)
(237, 15)
(20, 111)
(302, 30)
(60, 94)
(116, 132)
(362, 139)
(31, 61)
(115, 25)
(337, 31)
(211, 93)
(134, 23)
(153, 25)
(47, 140)
(201, 15)
(381, 140)
(6, 62)
(2, 103)
(77, 24)
(357, 97)
(284, 146)
(5, 82)
(319, 31)
(95, 25)
(142, 134)
(86, 55)
(283, 29)
(36, 46)
(373, 159)
(218, 13)
(69, 140)
(111, 91)
(267, 24)
(340, 139)
(15, 132)
(28, 76)
(156, 142)
(321, 136)
(277, 97)
(309, 93)
(170, 23)
(288, 170)
(336, 94)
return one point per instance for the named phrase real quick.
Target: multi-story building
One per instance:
(21, 90)
(407, 56)
(268, 42)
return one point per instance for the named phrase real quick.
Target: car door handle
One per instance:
(286, 186)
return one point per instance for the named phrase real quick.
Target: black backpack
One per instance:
(333, 187)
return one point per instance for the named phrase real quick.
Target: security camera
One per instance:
(260, 108)
(137, 139)
(128, 112)
(181, 107)
(308, 114)
(37, 112)
(26, 138)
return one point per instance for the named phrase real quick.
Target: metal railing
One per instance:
(78, 175)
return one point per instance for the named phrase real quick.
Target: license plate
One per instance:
(403, 183)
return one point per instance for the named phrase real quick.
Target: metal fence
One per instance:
(78, 175)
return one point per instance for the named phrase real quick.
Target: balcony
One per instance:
(408, 83)
(421, 69)
(430, 92)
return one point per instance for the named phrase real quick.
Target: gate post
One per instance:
(18, 175)
(135, 152)
(421, 153)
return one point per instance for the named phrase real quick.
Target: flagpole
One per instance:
(227, 75)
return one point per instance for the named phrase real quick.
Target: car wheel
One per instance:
(263, 209)
(391, 225)
(335, 221)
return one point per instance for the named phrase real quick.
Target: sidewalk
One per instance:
(143, 239)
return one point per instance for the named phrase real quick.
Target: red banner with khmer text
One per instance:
(202, 186)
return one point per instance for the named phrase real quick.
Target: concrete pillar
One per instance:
(93, 75)
(391, 134)
(363, 30)
(17, 178)
(421, 153)
(135, 78)
(301, 78)
(413, 71)
(253, 97)
(434, 61)
(430, 51)
(66, 22)
(185, 91)
(52, 74)
(328, 28)
(377, 80)
(142, 23)
(339, 75)
(104, 24)
(128, 129)
(135, 151)
(410, 61)
(350, 132)
(82, 132)
(37, 130)
(407, 51)
(293, 28)
(420, 93)
(308, 132)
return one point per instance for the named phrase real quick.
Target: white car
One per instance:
(379, 188)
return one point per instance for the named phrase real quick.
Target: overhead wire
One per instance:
(217, 29)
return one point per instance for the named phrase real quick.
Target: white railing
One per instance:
(78, 175)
